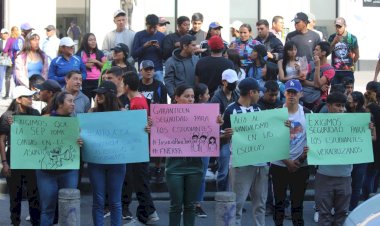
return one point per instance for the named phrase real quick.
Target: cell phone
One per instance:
(154, 41)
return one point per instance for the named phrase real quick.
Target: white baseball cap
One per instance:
(20, 91)
(66, 41)
(230, 76)
(4, 30)
(236, 24)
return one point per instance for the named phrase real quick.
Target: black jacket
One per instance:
(273, 45)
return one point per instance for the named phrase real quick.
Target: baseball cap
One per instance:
(216, 43)
(121, 47)
(50, 28)
(163, 21)
(26, 26)
(236, 24)
(4, 30)
(293, 85)
(49, 85)
(340, 21)
(20, 91)
(119, 12)
(106, 87)
(248, 84)
(66, 41)
(215, 25)
(301, 16)
(230, 76)
(146, 64)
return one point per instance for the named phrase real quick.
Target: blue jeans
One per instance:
(357, 175)
(2, 76)
(48, 187)
(205, 161)
(159, 75)
(223, 167)
(106, 178)
(370, 182)
(340, 76)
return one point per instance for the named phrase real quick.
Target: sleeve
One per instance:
(87, 106)
(164, 94)
(20, 70)
(52, 73)
(106, 43)
(216, 100)
(226, 119)
(329, 74)
(45, 68)
(7, 46)
(169, 77)
(137, 47)
(4, 126)
(355, 43)
(167, 47)
(331, 38)
(278, 49)
(83, 69)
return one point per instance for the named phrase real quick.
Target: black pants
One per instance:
(15, 183)
(88, 86)
(137, 179)
(297, 182)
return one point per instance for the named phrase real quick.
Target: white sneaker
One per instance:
(210, 175)
(27, 218)
(153, 218)
(316, 217)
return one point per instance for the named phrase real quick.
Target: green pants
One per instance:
(183, 190)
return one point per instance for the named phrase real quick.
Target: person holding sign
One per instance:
(106, 177)
(247, 180)
(292, 172)
(21, 105)
(50, 181)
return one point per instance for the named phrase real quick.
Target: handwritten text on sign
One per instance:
(114, 137)
(335, 139)
(40, 142)
(185, 130)
(259, 137)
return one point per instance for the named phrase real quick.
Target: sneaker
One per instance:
(27, 218)
(199, 212)
(127, 215)
(107, 213)
(269, 210)
(209, 175)
(153, 218)
(288, 213)
(159, 177)
(316, 216)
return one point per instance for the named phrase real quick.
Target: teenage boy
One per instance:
(47, 91)
(292, 172)
(248, 180)
(196, 30)
(115, 75)
(137, 177)
(224, 96)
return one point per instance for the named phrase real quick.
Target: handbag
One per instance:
(5, 61)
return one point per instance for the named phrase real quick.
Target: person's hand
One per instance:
(219, 120)
(371, 126)
(228, 132)
(6, 171)
(233, 45)
(303, 156)
(10, 120)
(336, 39)
(317, 61)
(147, 44)
(302, 76)
(156, 44)
(287, 123)
(297, 66)
(270, 55)
(80, 142)
(292, 165)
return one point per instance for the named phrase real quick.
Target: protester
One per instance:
(161, 27)
(311, 26)
(289, 67)
(233, 56)
(74, 33)
(73, 84)
(21, 105)
(196, 30)
(5, 70)
(50, 45)
(7, 51)
(106, 178)
(94, 60)
(234, 29)
(278, 28)
(172, 41)
(47, 91)
(214, 29)
(272, 44)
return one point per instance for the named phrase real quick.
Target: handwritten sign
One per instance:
(185, 130)
(40, 142)
(259, 137)
(335, 139)
(114, 137)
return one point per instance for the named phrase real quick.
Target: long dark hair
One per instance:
(15, 109)
(111, 103)
(272, 72)
(181, 89)
(87, 50)
(27, 47)
(357, 97)
(233, 55)
(199, 90)
(58, 99)
(290, 45)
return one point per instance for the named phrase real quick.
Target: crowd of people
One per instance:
(184, 67)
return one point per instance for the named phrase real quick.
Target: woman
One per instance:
(50, 181)
(21, 105)
(244, 44)
(289, 67)
(213, 29)
(8, 52)
(183, 174)
(120, 56)
(106, 178)
(258, 58)
(233, 55)
(94, 60)
(30, 60)
(65, 62)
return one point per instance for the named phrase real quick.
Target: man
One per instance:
(224, 96)
(172, 41)
(197, 21)
(73, 86)
(47, 90)
(138, 176)
(5, 71)
(115, 75)
(147, 45)
(209, 69)
(162, 25)
(234, 29)
(120, 35)
(311, 25)
(333, 182)
(74, 33)
(247, 180)
(304, 39)
(273, 45)
(153, 90)
(377, 70)
(278, 27)
(345, 51)
(51, 44)
(180, 68)
(292, 172)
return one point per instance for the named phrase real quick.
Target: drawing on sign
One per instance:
(56, 157)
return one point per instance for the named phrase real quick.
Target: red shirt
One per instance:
(138, 103)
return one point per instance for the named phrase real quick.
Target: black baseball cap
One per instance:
(106, 87)
(301, 16)
(248, 84)
(121, 47)
(49, 85)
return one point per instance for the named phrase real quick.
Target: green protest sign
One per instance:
(39, 142)
(259, 137)
(336, 139)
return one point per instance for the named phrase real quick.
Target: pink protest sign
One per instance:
(184, 130)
